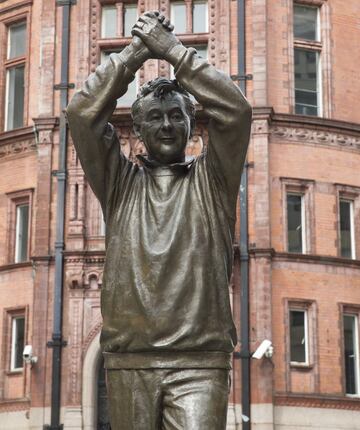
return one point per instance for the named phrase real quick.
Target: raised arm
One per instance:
(88, 114)
(229, 111)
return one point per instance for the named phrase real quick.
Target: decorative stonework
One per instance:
(212, 30)
(14, 406)
(315, 137)
(96, 327)
(318, 402)
(94, 30)
(75, 349)
(13, 148)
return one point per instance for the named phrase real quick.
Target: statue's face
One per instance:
(165, 127)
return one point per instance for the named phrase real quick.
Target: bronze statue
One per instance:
(168, 332)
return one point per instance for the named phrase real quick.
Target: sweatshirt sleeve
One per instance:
(95, 139)
(229, 113)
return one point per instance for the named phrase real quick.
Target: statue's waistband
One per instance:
(168, 360)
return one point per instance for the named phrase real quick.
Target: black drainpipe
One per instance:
(244, 354)
(57, 342)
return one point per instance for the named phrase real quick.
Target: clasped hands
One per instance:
(153, 36)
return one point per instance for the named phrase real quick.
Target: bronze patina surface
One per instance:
(168, 332)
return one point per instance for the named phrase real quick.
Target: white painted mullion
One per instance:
(17, 235)
(306, 340)
(352, 230)
(303, 224)
(356, 352)
(13, 343)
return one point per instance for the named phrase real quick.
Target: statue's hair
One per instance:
(160, 87)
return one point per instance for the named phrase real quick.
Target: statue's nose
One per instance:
(166, 123)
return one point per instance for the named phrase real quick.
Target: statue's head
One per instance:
(164, 119)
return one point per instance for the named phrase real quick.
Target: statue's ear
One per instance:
(136, 128)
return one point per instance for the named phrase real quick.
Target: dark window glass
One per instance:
(17, 40)
(306, 82)
(351, 354)
(103, 422)
(22, 232)
(130, 17)
(178, 16)
(18, 342)
(305, 22)
(294, 222)
(200, 17)
(297, 337)
(109, 21)
(15, 97)
(345, 229)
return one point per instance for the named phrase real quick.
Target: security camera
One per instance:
(265, 349)
(28, 355)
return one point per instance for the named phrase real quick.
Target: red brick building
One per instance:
(301, 60)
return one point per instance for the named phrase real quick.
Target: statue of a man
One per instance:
(168, 332)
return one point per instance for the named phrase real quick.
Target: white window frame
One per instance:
(357, 352)
(352, 226)
(303, 221)
(102, 30)
(14, 331)
(130, 6)
(308, 45)
(172, 12)
(206, 14)
(17, 228)
(306, 334)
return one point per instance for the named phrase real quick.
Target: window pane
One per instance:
(345, 229)
(200, 17)
(178, 16)
(305, 22)
(202, 51)
(306, 82)
(294, 222)
(15, 97)
(18, 333)
(17, 40)
(297, 337)
(22, 231)
(351, 354)
(130, 17)
(109, 21)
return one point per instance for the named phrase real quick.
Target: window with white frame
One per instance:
(299, 337)
(346, 221)
(296, 229)
(351, 354)
(15, 76)
(117, 19)
(22, 232)
(189, 16)
(307, 51)
(17, 342)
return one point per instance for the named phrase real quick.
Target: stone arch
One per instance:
(91, 365)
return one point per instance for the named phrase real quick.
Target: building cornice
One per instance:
(13, 405)
(15, 266)
(308, 130)
(318, 401)
(14, 6)
(17, 141)
(299, 258)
